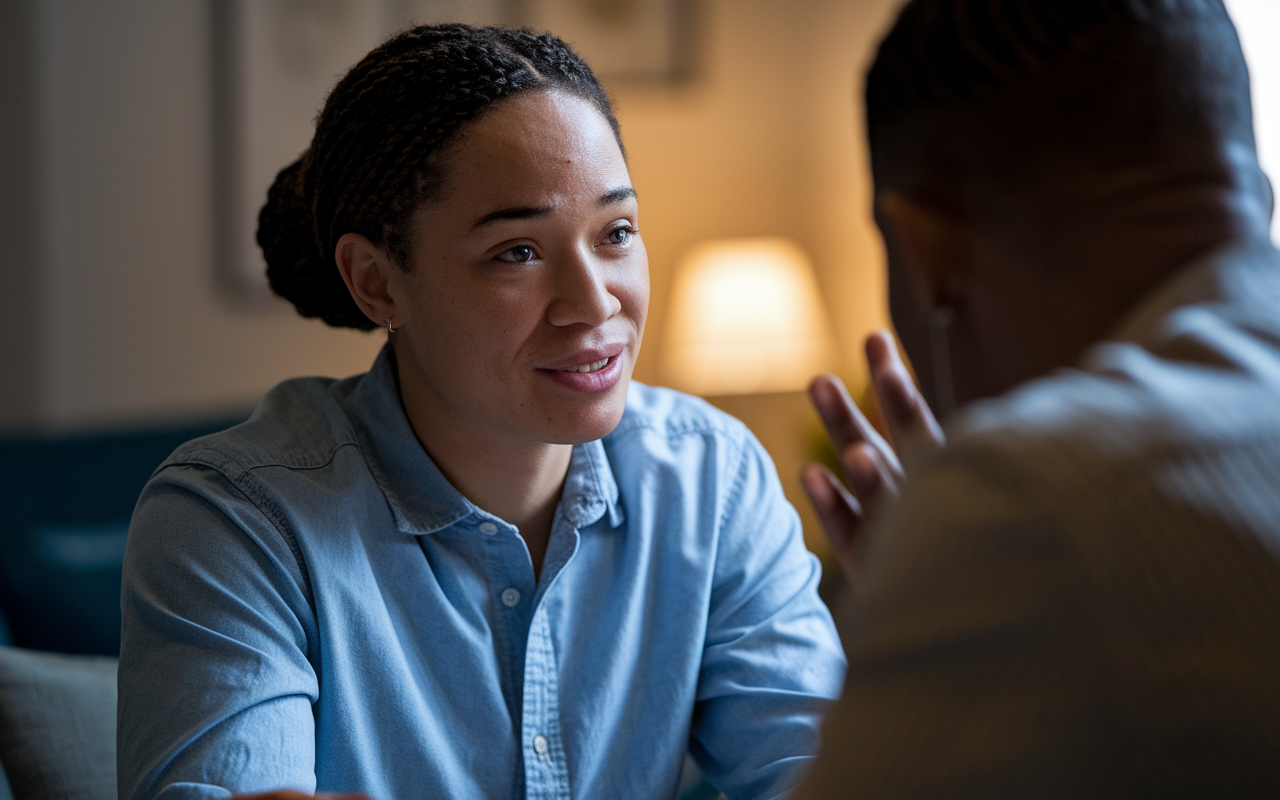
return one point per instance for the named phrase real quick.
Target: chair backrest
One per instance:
(65, 504)
(57, 725)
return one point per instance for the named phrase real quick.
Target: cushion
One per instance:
(5, 792)
(58, 725)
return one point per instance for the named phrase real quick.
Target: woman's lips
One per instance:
(591, 376)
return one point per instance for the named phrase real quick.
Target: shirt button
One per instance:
(488, 528)
(510, 597)
(540, 745)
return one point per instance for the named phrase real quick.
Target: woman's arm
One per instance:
(772, 663)
(216, 677)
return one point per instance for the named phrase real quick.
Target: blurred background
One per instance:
(115, 313)
(137, 138)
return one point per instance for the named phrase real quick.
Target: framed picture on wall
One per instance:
(624, 41)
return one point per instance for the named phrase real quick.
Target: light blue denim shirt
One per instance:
(308, 603)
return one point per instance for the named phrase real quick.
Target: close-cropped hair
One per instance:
(1021, 94)
(380, 145)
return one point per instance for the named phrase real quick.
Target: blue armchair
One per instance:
(65, 504)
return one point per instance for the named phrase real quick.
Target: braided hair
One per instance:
(1026, 93)
(379, 145)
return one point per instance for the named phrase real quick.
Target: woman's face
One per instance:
(522, 312)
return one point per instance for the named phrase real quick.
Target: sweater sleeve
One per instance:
(976, 661)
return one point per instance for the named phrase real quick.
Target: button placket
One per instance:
(546, 770)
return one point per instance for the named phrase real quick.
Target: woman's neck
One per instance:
(517, 481)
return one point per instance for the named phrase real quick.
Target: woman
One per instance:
(489, 567)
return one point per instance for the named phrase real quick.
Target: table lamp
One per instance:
(745, 317)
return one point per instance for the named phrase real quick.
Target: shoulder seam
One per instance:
(273, 512)
(739, 478)
(243, 478)
(216, 458)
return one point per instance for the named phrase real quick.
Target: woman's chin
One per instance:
(590, 421)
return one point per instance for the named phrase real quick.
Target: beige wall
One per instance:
(130, 328)
(133, 330)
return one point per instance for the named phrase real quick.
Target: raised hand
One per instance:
(872, 468)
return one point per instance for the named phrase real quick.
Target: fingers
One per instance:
(839, 513)
(871, 466)
(845, 424)
(844, 513)
(869, 476)
(911, 424)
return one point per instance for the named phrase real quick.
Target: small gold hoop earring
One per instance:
(390, 330)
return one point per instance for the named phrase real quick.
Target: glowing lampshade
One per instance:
(745, 317)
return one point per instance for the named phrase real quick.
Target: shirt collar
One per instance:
(590, 491)
(421, 497)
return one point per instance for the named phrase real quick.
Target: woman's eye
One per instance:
(620, 235)
(519, 255)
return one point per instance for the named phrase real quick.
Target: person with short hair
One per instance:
(1078, 593)
(492, 566)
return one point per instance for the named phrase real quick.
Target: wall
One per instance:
(20, 374)
(110, 313)
(132, 327)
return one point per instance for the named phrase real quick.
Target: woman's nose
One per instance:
(581, 293)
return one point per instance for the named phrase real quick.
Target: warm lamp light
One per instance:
(745, 317)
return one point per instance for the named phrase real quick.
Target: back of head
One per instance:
(380, 146)
(1004, 98)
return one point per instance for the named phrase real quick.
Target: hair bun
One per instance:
(296, 269)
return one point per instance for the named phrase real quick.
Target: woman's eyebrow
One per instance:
(520, 212)
(617, 195)
(529, 212)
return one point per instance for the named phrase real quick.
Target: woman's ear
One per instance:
(933, 248)
(367, 271)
